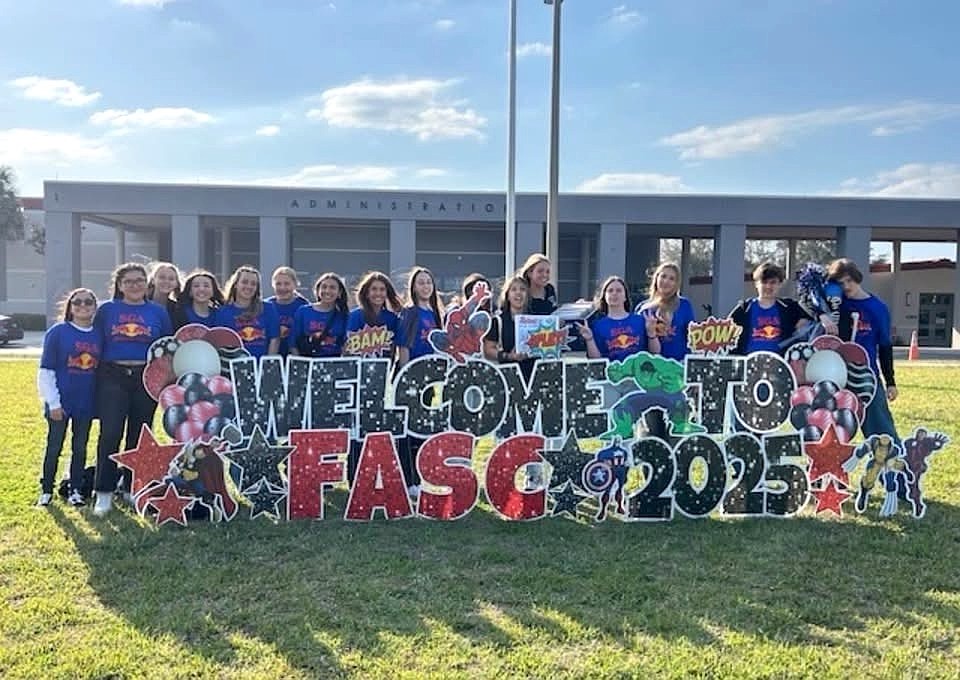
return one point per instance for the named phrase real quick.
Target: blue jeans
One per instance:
(878, 419)
(56, 433)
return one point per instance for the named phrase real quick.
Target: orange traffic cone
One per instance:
(914, 352)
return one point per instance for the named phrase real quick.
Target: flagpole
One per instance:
(510, 221)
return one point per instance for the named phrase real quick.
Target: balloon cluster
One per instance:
(816, 407)
(197, 405)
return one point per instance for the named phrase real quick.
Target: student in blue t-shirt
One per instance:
(872, 331)
(198, 301)
(616, 333)
(245, 312)
(767, 321)
(320, 329)
(287, 301)
(673, 311)
(371, 332)
(67, 385)
(422, 314)
(126, 326)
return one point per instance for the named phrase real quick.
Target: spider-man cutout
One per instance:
(465, 327)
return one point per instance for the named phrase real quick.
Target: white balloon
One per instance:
(826, 364)
(196, 356)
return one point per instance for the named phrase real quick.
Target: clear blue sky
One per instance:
(719, 96)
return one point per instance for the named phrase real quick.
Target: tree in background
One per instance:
(11, 216)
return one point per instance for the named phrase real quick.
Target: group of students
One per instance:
(93, 359)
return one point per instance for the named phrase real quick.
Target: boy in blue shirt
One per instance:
(767, 320)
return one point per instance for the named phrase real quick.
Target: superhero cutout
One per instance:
(465, 327)
(606, 476)
(885, 463)
(917, 451)
(200, 471)
(662, 384)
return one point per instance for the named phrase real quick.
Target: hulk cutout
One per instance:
(662, 386)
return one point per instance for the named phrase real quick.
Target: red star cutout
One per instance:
(831, 498)
(828, 455)
(149, 462)
(171, 506)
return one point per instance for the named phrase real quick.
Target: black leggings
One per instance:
(56, 433)
(121, 400)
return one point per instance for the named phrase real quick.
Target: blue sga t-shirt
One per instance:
(285, 313)
(420, 328)
(126, 331)
(673, 343)
(765, 330)
(619, 338)
(209, 320)
(73, 354)
(370, 340)
(255, 332)
(873, 325)
(318, 333)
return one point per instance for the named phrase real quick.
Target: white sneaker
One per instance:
(76, 499)
(45, 499)
(104, 503)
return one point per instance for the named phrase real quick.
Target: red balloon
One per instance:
(802, 395)
(846, 399)
(189, 430)
(171, 396)
(821, 418)
(202, 411)
(219, 384)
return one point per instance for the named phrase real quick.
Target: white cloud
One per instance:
(765, 132)
(534, 49)
(376, 176)
(191, 30)
(444, 24)
(161, 118)
(431, 172)
(633, 182)
(624, 16)
(268, 131)
(27, 146)
(921, 180)
(416, 107)
(145, 3)
(60, 91)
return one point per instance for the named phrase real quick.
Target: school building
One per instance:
(91, 226)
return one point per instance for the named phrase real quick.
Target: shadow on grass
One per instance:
(318, 591)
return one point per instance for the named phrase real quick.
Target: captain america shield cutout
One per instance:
(597, 477)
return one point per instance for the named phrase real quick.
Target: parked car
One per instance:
(9, 330)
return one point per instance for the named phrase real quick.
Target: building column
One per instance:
(584, 277)
(729, 245)
(274, 245)
(403, 246)
(854, 243)
(186, 240)
(612, 251)
(119, 245)
(61, 257)
(529, 241)
(225, 247)
(790, 285)
(955, 343)
(898, 308)
(685, 261)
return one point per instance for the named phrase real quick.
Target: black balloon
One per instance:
(828, 387)
(196, 393)
(188, 380)
(812, 433)
(172, 417)
(215, 425)
(824, 396)
(846, 419)
(798, 415)
(225, 403)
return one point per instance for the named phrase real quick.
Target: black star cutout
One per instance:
(260, 459)
(265, 498)
(566, 499)
(567, 463)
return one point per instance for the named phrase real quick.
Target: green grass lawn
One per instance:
(806, 597)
